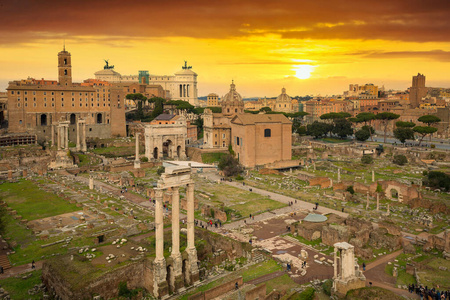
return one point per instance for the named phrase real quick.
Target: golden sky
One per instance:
(308, 47)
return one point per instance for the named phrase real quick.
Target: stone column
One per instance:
(373, 176)
(58, 136)
(378, 201)
(91, 182)
(160, 286)
(53, 135)
(177, 282)
(66, 136)
(339, 175)
(367, 204)
(137, 162)
(192, 275)
(83, 140)
(388, 210)
(78, 136)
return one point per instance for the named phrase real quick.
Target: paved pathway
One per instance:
(383, 259)
(14, 271)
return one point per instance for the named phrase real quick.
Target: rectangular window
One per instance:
(223, 135)
(45, 93)
(237, 141)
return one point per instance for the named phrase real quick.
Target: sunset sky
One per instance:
(308, 47)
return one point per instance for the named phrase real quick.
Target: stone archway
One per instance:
(155, 153)
(179, 151)
(73, 119)
(167, 149)
(394, 193)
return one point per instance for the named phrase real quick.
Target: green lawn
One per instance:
(282, 283)
(259, 270)
(209, 158)
(18, 287)
(257, 206)
(32, 203)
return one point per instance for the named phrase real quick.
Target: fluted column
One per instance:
(175, 222)
(159, 225)
(66, 136)
(78, 136)
(58, 136)
(190, 216)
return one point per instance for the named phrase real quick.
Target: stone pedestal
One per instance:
(160, 284)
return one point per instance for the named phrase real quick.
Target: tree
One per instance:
(429, 120)
(436, 179)
(342, 128)
(362, 135)
(136, 97)
(367, 159)
(400, 160)
(159, 104)
(402, 134)
(424, 130)
(318, 129)
(405, 124)
(229, 165)
(364, 117)
(139, 111)
(265, 109)
(385, 118)
(351, 190)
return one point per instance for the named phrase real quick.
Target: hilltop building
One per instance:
(180, 86)
(35, 105)
(417, 91)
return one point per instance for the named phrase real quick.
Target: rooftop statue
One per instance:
(186, 66)
(107, 66)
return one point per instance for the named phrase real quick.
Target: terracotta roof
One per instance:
(250, 119)
(164, 117)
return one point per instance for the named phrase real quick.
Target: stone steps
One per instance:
(4, 262)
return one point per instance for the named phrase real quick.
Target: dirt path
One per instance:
(383, 259)
(14, 271)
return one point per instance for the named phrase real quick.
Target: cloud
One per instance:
(405, 20)
(438, 55)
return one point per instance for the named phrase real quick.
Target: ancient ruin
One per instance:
(347, 275)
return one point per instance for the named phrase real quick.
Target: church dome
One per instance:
(232, 95)
(283, 97)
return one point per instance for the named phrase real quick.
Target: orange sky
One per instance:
(309, 47)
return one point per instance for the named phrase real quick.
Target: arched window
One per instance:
(65, 72)
(99, 119)
(73, 119)
(267, 133)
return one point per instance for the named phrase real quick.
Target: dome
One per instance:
(232, 95)
(283, 97)
(315, 218)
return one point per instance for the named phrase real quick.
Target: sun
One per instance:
(303, 71)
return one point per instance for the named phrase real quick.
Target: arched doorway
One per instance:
(394, 193)
(167, 149)
(73, 119)
(179, 151)
(43, 120)
(155, 153)
(99, 119)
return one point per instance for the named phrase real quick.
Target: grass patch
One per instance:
(18, 287)
(305, 241)
(334, 140)
(32, 203)
(282, 283)
(209, 158)
(260, 269)
(255, 207)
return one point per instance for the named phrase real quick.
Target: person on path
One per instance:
(364, 266)
(32, 265)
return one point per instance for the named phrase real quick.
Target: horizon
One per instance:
(307, 48)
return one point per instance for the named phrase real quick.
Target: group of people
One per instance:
(317, 206)
(429, 294)
(210, 223)
(123, 190)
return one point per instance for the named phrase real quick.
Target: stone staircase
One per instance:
(4, 262)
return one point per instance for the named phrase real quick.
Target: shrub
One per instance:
(367, 159)
(438, 179)
(327, 285)
(144, 159)
(125, 292)
(351, 190)
(433, 146)
(400, 160)
(307, 294)
(160, 170)
(229, 165)
(362, 135)
(425, 173)
(239, 177)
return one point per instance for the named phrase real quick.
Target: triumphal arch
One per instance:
(166, 139)
(179, 268)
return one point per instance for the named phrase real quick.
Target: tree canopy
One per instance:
(429, 119)
(385, 118)
(404, 124)
(342, 128)
(229, 165)
(136, 97)
(424, 131)
(404, 133)
(318, 129)
(335, 116)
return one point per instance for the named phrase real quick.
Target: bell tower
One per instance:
(64, 68)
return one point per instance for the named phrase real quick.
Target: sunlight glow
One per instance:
(303, 71)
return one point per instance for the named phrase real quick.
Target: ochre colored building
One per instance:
(34, 105)
(261, 139)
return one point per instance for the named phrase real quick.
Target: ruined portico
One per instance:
(347, 275)
(170, 276)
